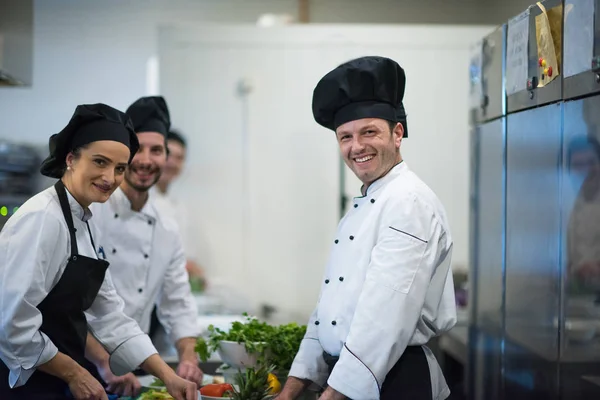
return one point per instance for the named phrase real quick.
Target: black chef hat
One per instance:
(150, 114)
(401, 118)
(366, 87)
(89, 123)
(178, 137)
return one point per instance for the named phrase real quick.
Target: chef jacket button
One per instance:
(116, 215)
(326, 280)
(372, 201)
(341, 278)
(351, 237)
(145, 255)
(149, 222)
(316, 322)
(333, 323)
(114, 251)
(74, 258)
(336, 241)
(140, 290)
(356, 205)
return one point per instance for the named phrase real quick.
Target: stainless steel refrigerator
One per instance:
(488, 138)
(536, 214)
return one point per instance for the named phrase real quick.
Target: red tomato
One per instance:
(216, 389)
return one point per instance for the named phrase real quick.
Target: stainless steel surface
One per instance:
(549, 93)
(532, 250)
(490, 224)
(487, 70)
(487, 273)
(579, 48)
(494, 48)
(580, 197)
(546, 345)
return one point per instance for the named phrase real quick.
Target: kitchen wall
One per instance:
(98, 50)
(106, 51)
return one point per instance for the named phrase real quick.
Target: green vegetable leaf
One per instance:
(275, 345)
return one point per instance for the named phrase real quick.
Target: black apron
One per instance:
(63, 316)
(409, 378)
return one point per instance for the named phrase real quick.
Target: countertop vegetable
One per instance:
(156, 394)
(253, 384)
(217, 390)
(281, 341)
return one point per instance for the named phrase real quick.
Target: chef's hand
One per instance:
(190, 371)
(84, 386)
(181, 389)
(332, 394)
(126, 385)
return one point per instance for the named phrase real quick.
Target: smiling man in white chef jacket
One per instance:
(145, 251)
(387, 288)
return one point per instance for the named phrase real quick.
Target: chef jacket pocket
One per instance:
(396, 259)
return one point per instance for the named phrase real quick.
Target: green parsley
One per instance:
(274, 345)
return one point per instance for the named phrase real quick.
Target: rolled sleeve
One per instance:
(19, 375)
(176, 307)
(122, 337)
(309, 363)
(391, 301)
(132, 352)
(29, 262)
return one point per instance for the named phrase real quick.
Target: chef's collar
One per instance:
(123, 205)
(381, 182)
(81, 213)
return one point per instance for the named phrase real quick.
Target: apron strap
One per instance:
(66, 209)
(92, 239)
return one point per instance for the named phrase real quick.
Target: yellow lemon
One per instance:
(274, 384)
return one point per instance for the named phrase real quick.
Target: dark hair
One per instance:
(393, 124)
(178, 137)
(76, 154)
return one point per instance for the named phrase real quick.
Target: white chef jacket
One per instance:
(167, 204)
(388, 284)
(34, 249)
(147, 264)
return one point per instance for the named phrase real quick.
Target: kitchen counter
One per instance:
(456, 343)
(543, 344)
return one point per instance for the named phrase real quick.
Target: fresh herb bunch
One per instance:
(253, 333)
(274, 345)
(253, 384)
(284, 344)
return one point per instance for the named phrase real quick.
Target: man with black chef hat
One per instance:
(387, 288)
(145, 250)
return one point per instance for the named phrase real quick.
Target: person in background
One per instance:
(388, 286)
(177, 148)
(51, 274)
(146, 253)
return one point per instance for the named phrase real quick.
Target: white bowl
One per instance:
(235, 355)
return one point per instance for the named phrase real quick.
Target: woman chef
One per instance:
(388, 285)
(50, 273)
